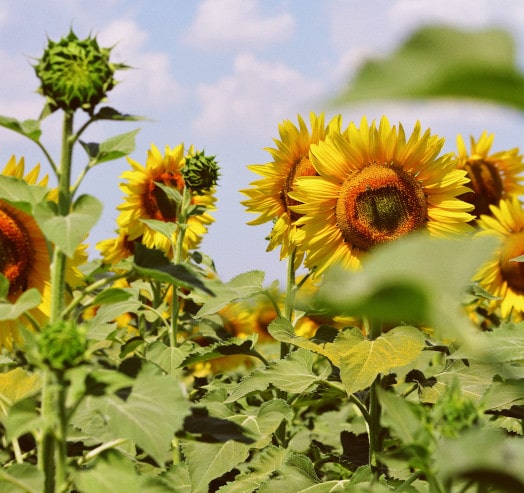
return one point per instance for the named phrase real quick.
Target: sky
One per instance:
(223, 74)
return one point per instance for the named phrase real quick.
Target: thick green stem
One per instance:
(46, 443)
(374, 411)
(58, 267)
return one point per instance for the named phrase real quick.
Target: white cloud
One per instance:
(149, 84)
(232, 22)
(254, 99)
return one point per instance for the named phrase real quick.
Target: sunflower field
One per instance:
(390, 360)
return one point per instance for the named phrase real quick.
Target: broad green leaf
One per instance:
(503, 395)
(339, 486)
(167, 358)
(503, 344)
(484, 455)
(399, 415)
(177, 476)
(296, 474)
(109, 312)
(207, 461)
(16, 385)
(153, 264)
(151, 415)
(162, 227)
(229, 347)
(431, 272)
(29, 128)
(171, 192)
(294, 374)
(27, 300)
(23, 418)
(444, 62)
(117, 474)
(361, 363)
(112, 148)
(21, 194)
(261, 468)
(108, 113)
(243, 286)
(21, 478)
(112, 295)
(68, 232)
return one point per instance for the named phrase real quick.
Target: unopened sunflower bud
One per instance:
(75, 73)
(62, 344)
(200, 172)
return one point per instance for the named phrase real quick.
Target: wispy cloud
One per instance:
(254, 98)
(227, 23)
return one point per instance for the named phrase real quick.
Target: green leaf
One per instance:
(29, 128)
(261, 468)
(68, 232)
(153, 264)
(162, 227)
(27, 300)
(23, 418)
(504, 395)
(243, 286)
(17, 384)
(109, 312)
(21, 194)
(483, 455)
(399, 415)
(112, 295)
(295, 475)
(108, 113)
(167, 358)
(207, 461)
(112, 148)
(361, 362)
(21, 478)
(444, 62)
(431, 272)
(177, 476)
(151, 415)
(115, 473)
(294, 374)
(171, 192)
(4, 287)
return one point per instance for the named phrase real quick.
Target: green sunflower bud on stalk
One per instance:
(75, 73)
(200, 172)
(62, 344)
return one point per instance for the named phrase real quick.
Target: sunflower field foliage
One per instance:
(390, 360)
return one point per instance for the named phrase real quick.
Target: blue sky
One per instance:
(222, 74)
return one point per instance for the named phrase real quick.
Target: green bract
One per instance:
(75, 73)
(200, 172)
(62, 344)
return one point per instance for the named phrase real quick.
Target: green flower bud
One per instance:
(75, 73)
(62, 344)
(200, 172)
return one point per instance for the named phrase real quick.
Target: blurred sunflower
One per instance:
(374, 186)
(501, 276)
(113, 250)
(270, 196)
(146, 200)
(493, 176)
(24, 257)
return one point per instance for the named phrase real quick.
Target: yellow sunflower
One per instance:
(501, 276)
(113, 250)
(146, 200)
(24, 257)
(493, 176)
(374, 186)
(270, 196)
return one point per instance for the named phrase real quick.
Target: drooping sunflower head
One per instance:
(501, 275)
(271, 196)
(113, 250)
(146, 198)
(374, 185)
(24, 256)
(493, 176)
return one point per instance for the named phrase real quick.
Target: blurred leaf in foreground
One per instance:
(441, 61)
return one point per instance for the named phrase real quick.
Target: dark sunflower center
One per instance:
(302, 167)
(379, 203)
(487, 186)
(513, 272)
(16, 253)
(157, 204)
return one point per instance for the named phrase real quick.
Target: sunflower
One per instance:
(24, 257)
(146, 200)
(493, 176)
(374, 186)
(270, 196)
(501, 276)
(113, 250)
